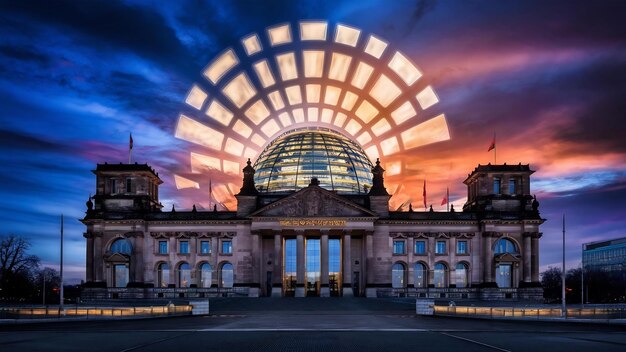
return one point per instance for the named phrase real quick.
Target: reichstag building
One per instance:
(313, 219)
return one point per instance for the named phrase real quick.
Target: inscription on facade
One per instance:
(312, 223)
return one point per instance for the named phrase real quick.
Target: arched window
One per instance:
(440, 275)
(205, 275)
(505, 246)
(122, 246)
(421, 275)
(397, 275)
(163, 275)
(184, 275)
(227, 275)
(461, 275)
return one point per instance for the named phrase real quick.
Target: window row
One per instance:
(202, 277)
(423, 277)
(203, 247)
(419, 248)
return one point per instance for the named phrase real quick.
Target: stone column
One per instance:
(527, 256)
(535, 259)
(138, 258)
(97, 258)
(488, 258)
(89, 264)
(257, 258)
(325, 291)
(215, 251)
(278, 266)
(347, 267)
(410, 250)
(173, 250)
(300, 277)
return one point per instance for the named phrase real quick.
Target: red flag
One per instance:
(424, 194)
(446, 197)
(130, 142)
(493, 143)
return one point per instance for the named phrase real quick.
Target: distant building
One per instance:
(607, 256)
(313, 219)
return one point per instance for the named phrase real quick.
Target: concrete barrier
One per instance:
(199, 307)
(425, 306)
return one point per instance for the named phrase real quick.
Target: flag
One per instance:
(424, 194)
(493, 143)
(445, 198)
(130, 142)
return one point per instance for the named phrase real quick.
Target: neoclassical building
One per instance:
(313, 219)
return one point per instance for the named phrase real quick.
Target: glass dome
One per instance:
(293, 159)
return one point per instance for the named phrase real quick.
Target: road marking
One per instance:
(476, 342)
(152, 343)
(310, 329)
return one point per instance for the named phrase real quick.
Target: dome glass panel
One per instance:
(293, 159)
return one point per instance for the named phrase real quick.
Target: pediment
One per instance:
(507, 257)
(116, 257)
(313, 201)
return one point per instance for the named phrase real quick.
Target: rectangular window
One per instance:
(461, 247)
(128, 185)
(441, 247)
(113, 186)
(205, 247)
(420, 247)
(496, 185)
(398, 247)
(227, 247)
(184, 247)
(162, 247)
(511, 186)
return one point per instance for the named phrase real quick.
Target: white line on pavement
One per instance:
(476, 342)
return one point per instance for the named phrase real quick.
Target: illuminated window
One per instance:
(398, 247)
(362, 75)
(427, 98)
(420, 247)
(339, 65)
(183, 247)
(227, 247)
(163, 275)
(279, 35)
(313, 30)
(206, 274)
(440, 275)
(496, 185)
(251, 44)
(375, 47)
(313, 63)
(222, 64)
(347, 35)
(287, 66)
(440, 247)
(512, 186)
(184, 275)
(227, 275)
(196, 97)
(162, 247)
(404, 68)
(205, 247)
(421, 275)
(505, 246)
(461, 247)
(461, 274)
(264, 73)
(121, 246)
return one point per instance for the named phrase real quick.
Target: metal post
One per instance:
(43, 273)
(62, 309)
(563, 307)
(582, 281)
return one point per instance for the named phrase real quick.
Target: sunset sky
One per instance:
(549, 77)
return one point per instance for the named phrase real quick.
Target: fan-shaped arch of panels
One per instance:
(306, 74)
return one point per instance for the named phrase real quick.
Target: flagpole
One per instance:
(61, 308)
(495, 150)
(447, 199)
(563, 307)
(130, 148)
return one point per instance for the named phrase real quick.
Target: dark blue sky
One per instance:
(76, 77)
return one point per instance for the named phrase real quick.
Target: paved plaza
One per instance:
(311, 324)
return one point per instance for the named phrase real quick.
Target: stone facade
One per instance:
(313, 242)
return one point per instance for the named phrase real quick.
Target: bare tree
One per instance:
(14, 259)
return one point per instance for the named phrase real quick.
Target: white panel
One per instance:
(219, 113)
(390, 146)
(353, 127)
(431, 131)
(251, 44)
(375, 47)
(364, 138)
(241, 128)
(276, 100)
(340, 119)
(313, 63)
(258, 140)
(427, 98)
(249, 153)
(257, 112)
(366, 111)
(294, 96)
(339, 66)
(372, 152)
(284, 118)
(385, 91)
(264, 73)
(362, 75)
(270, 128)
(332, 95)
(200, 163)
(233, 147)
(230, 167)
(348, 100)
(195, 132)
(222, 64)
(287, 66)
(298, 115)
(182, 183)
(313, 114)
(403, 113)
(381, 127)
(279, 35)
(327, 115)
(313, 30)
(347, 35)
(313, 93)
(404, 68)
(196, 97)
(239, 90)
